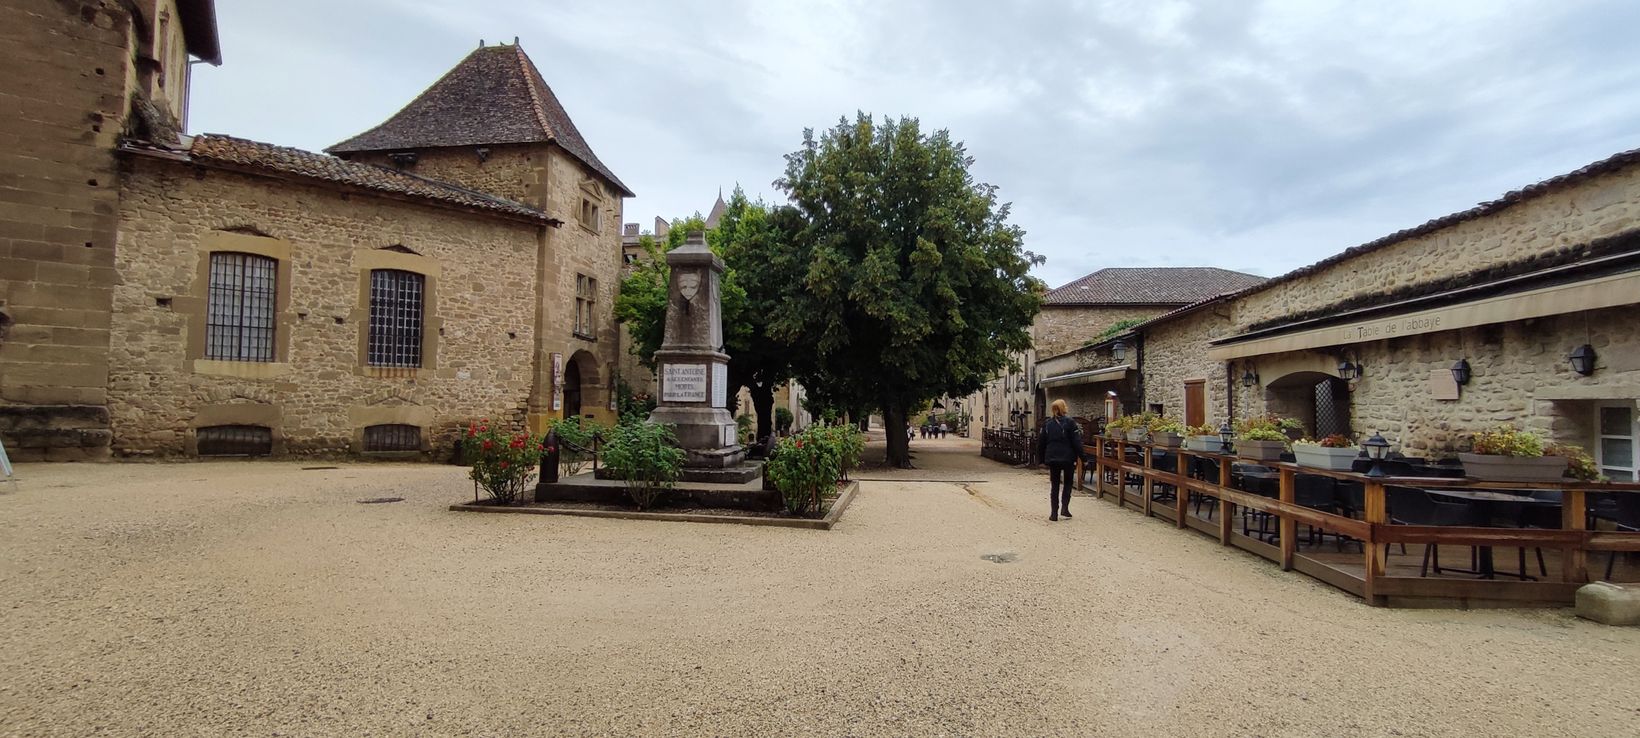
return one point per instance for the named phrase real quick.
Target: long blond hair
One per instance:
(1059, 408)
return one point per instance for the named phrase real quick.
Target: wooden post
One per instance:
(1121, 476)
(1145, 485)
(1079, 471)
(1289, 527)
(1224, 505)
(1574, 561)
(1181, 495)
(1374, 552)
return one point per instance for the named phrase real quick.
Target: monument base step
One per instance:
(741, 474)
(748, 495)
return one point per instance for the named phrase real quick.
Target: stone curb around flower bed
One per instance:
(825, 523)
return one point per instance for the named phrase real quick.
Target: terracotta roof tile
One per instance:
(1150, 286)
(241, 153)
(494, 96)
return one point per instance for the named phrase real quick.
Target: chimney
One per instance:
(629, 229)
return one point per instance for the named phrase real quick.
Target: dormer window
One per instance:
(592, 213)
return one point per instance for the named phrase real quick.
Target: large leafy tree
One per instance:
(913, 283)
(753, 240)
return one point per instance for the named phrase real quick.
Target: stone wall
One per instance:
(513, 171)
(576, 249)
(318, 395)
(68, 76)
(1059, 329)
(1602, 205)
(1175, 351)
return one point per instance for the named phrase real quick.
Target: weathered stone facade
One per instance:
(1172, 354)
(1059, 329)
(74, 72)
(318, 395)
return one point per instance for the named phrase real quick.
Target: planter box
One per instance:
(1260, 450)
(1321, 457)
(1491, 468)
(1167, 440)
(1137, 436)
(1208, 444)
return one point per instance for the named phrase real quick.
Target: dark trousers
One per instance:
(1060, 478)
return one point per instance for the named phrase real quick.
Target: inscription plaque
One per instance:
(683, 383)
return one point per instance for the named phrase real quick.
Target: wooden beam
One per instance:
(1288, 525)
(1181, 493)
(1224, 504)
(1574, 562)
(1147, 487)
(1373, 551)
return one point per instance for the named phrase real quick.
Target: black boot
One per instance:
(1066, 512)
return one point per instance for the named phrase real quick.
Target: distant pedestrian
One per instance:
(1059, 445)
(944, 429)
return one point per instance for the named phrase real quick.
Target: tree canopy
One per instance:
(911, 283)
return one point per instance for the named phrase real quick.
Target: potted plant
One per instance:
(1139, 431)
(1166, 432)
(1579, 464)
(1203, 438)
(1261, 438)
(1510, 455)
(1333, 453)
(1118, 428)
(1292, 427)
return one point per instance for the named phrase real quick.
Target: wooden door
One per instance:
(1195, 402)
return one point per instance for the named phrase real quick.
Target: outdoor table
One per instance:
(1487, 499)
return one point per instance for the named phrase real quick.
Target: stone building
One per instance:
(1072, 354)
(213, 295)
(1520, 310)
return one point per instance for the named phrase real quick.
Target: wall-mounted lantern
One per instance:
(1583, 359)
(1021, 386)
(1349, 371)
(1118, 351)
(1460, 372)
(1249, 378)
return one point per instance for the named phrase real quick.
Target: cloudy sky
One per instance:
(1259, 136)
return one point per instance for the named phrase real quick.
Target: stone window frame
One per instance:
(194, 304)
(591, 213)
(586, 306)
(363, 416)
(367, 260)
(236, 413)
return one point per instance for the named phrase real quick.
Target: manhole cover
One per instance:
(379, 500)
(1004, 557)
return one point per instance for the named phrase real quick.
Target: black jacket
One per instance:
(1060, 441)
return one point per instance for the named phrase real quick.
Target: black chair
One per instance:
(1317, 493)
(1539, 516)
(1206, 469)
(1409, 506)
(1168, 462)
(1251, 478)
(1625, 509)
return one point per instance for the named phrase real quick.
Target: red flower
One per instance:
(488, 444)
(503, 464)
(799, 443)
(517, 442)
(552, 449)
(472, 430)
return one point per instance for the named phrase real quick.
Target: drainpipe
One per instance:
(1139, 366)
(1230, 392)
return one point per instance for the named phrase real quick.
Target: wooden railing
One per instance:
(1573, 539)
(1007, 445)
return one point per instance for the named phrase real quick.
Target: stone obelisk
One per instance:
(694, 371)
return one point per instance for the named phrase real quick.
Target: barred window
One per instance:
(586, 303)
(239, 307)
(235, 440)
(392, 437)
(395, 318)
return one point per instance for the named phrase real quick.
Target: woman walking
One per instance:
(1059, 445)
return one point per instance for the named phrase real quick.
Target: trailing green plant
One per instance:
(1335, 440)
(1117, 328)
(783, 420)
(803, 468)
(575, 449)
(1164, 424)
(646, 457)
(1505, 440)
(1579, 464)
(743, 429)
(503, 461)
(1267, 427)
(1201, 430)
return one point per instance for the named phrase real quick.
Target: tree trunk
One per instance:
(763, 404)
(899, 446)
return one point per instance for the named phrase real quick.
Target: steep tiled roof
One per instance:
(494, 96)
(239, 153)
(1150, 286)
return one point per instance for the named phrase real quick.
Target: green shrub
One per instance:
(743, 428)
(632, 406)
(804, 467)
(574, 432)
(1506, 441)
(1579, 464)
(783, 420)
(503, 462)
(646, 457)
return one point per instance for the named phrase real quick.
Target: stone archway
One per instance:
(1320, 400)
(581, 380)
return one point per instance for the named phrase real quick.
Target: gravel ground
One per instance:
(261, 599)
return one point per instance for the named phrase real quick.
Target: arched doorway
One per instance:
(1317, 399)
(572, 389)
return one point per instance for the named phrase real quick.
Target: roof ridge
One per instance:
(530, 73)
